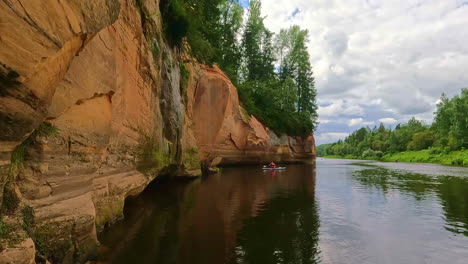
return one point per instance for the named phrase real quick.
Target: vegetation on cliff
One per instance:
(272, 71)
(445, 141)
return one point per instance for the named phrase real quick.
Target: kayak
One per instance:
(277, 168)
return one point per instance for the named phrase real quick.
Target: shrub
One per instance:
(434, 151)
(421, 140)
(175, 19)
(369, 153)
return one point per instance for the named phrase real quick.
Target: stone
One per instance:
(23, 252)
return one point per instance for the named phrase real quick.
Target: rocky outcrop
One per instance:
(92, 109)
(227, 134)
(94, 104)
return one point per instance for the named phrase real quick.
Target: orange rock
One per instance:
(226, 134)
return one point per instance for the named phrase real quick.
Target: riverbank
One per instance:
(456, 158)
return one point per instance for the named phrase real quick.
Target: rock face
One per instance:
(92, 109)
(226, 134)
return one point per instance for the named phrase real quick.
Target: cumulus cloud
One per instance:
(339, 107)
(388, 120)
(331, 137)
(379, 59)
(358, 122)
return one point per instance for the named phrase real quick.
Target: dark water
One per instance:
(336, 212)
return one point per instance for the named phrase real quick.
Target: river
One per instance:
(339, 211)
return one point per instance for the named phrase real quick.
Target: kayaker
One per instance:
(272, 165)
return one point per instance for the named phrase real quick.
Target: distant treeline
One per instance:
(448, 132)
(272, 72)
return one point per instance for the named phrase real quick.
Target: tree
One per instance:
(291, 49)
(230, 50)
(451, 122)
(256, 46)
(421, 140)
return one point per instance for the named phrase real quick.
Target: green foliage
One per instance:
(283, 99)
(176, 21)
(421, 140)
(369, 153)
(367, 143)
(230, 53)
(191, 159)
(257, 46)
(451, 122)
(444, 142)
(459, 158)
(184, 80)
(198, 22)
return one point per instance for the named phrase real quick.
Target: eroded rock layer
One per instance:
(92, 109)
(226, 134)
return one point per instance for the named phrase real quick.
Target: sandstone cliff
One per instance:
(92, 109)
(226, 134)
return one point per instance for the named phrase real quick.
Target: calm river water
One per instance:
(338, 211)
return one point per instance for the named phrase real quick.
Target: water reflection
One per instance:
(451, 191)
(236, 216)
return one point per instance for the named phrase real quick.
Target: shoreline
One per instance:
(454, 158)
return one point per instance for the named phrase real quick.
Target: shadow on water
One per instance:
(451, 191)
(240, 215)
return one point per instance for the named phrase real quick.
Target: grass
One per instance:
(458, 158)
(455, 158)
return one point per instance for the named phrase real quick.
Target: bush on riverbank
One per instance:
(457, 158)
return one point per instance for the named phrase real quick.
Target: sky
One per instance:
(378, 61)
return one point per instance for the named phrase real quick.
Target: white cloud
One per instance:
(324, 121)
(388, 120)
(339, 107)
(358, 122)
(398, 55)
(324, 138)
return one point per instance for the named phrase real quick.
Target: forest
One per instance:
(272, 72)
(445, 141)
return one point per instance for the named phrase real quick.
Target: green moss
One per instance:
(110, 208)
(155, 50)
(184, 80)
(18, 155)
(50, 243)
(191, 159)
(151, 156)
(10, 200)
(244, 114)
(27, 215)
(4, 229)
